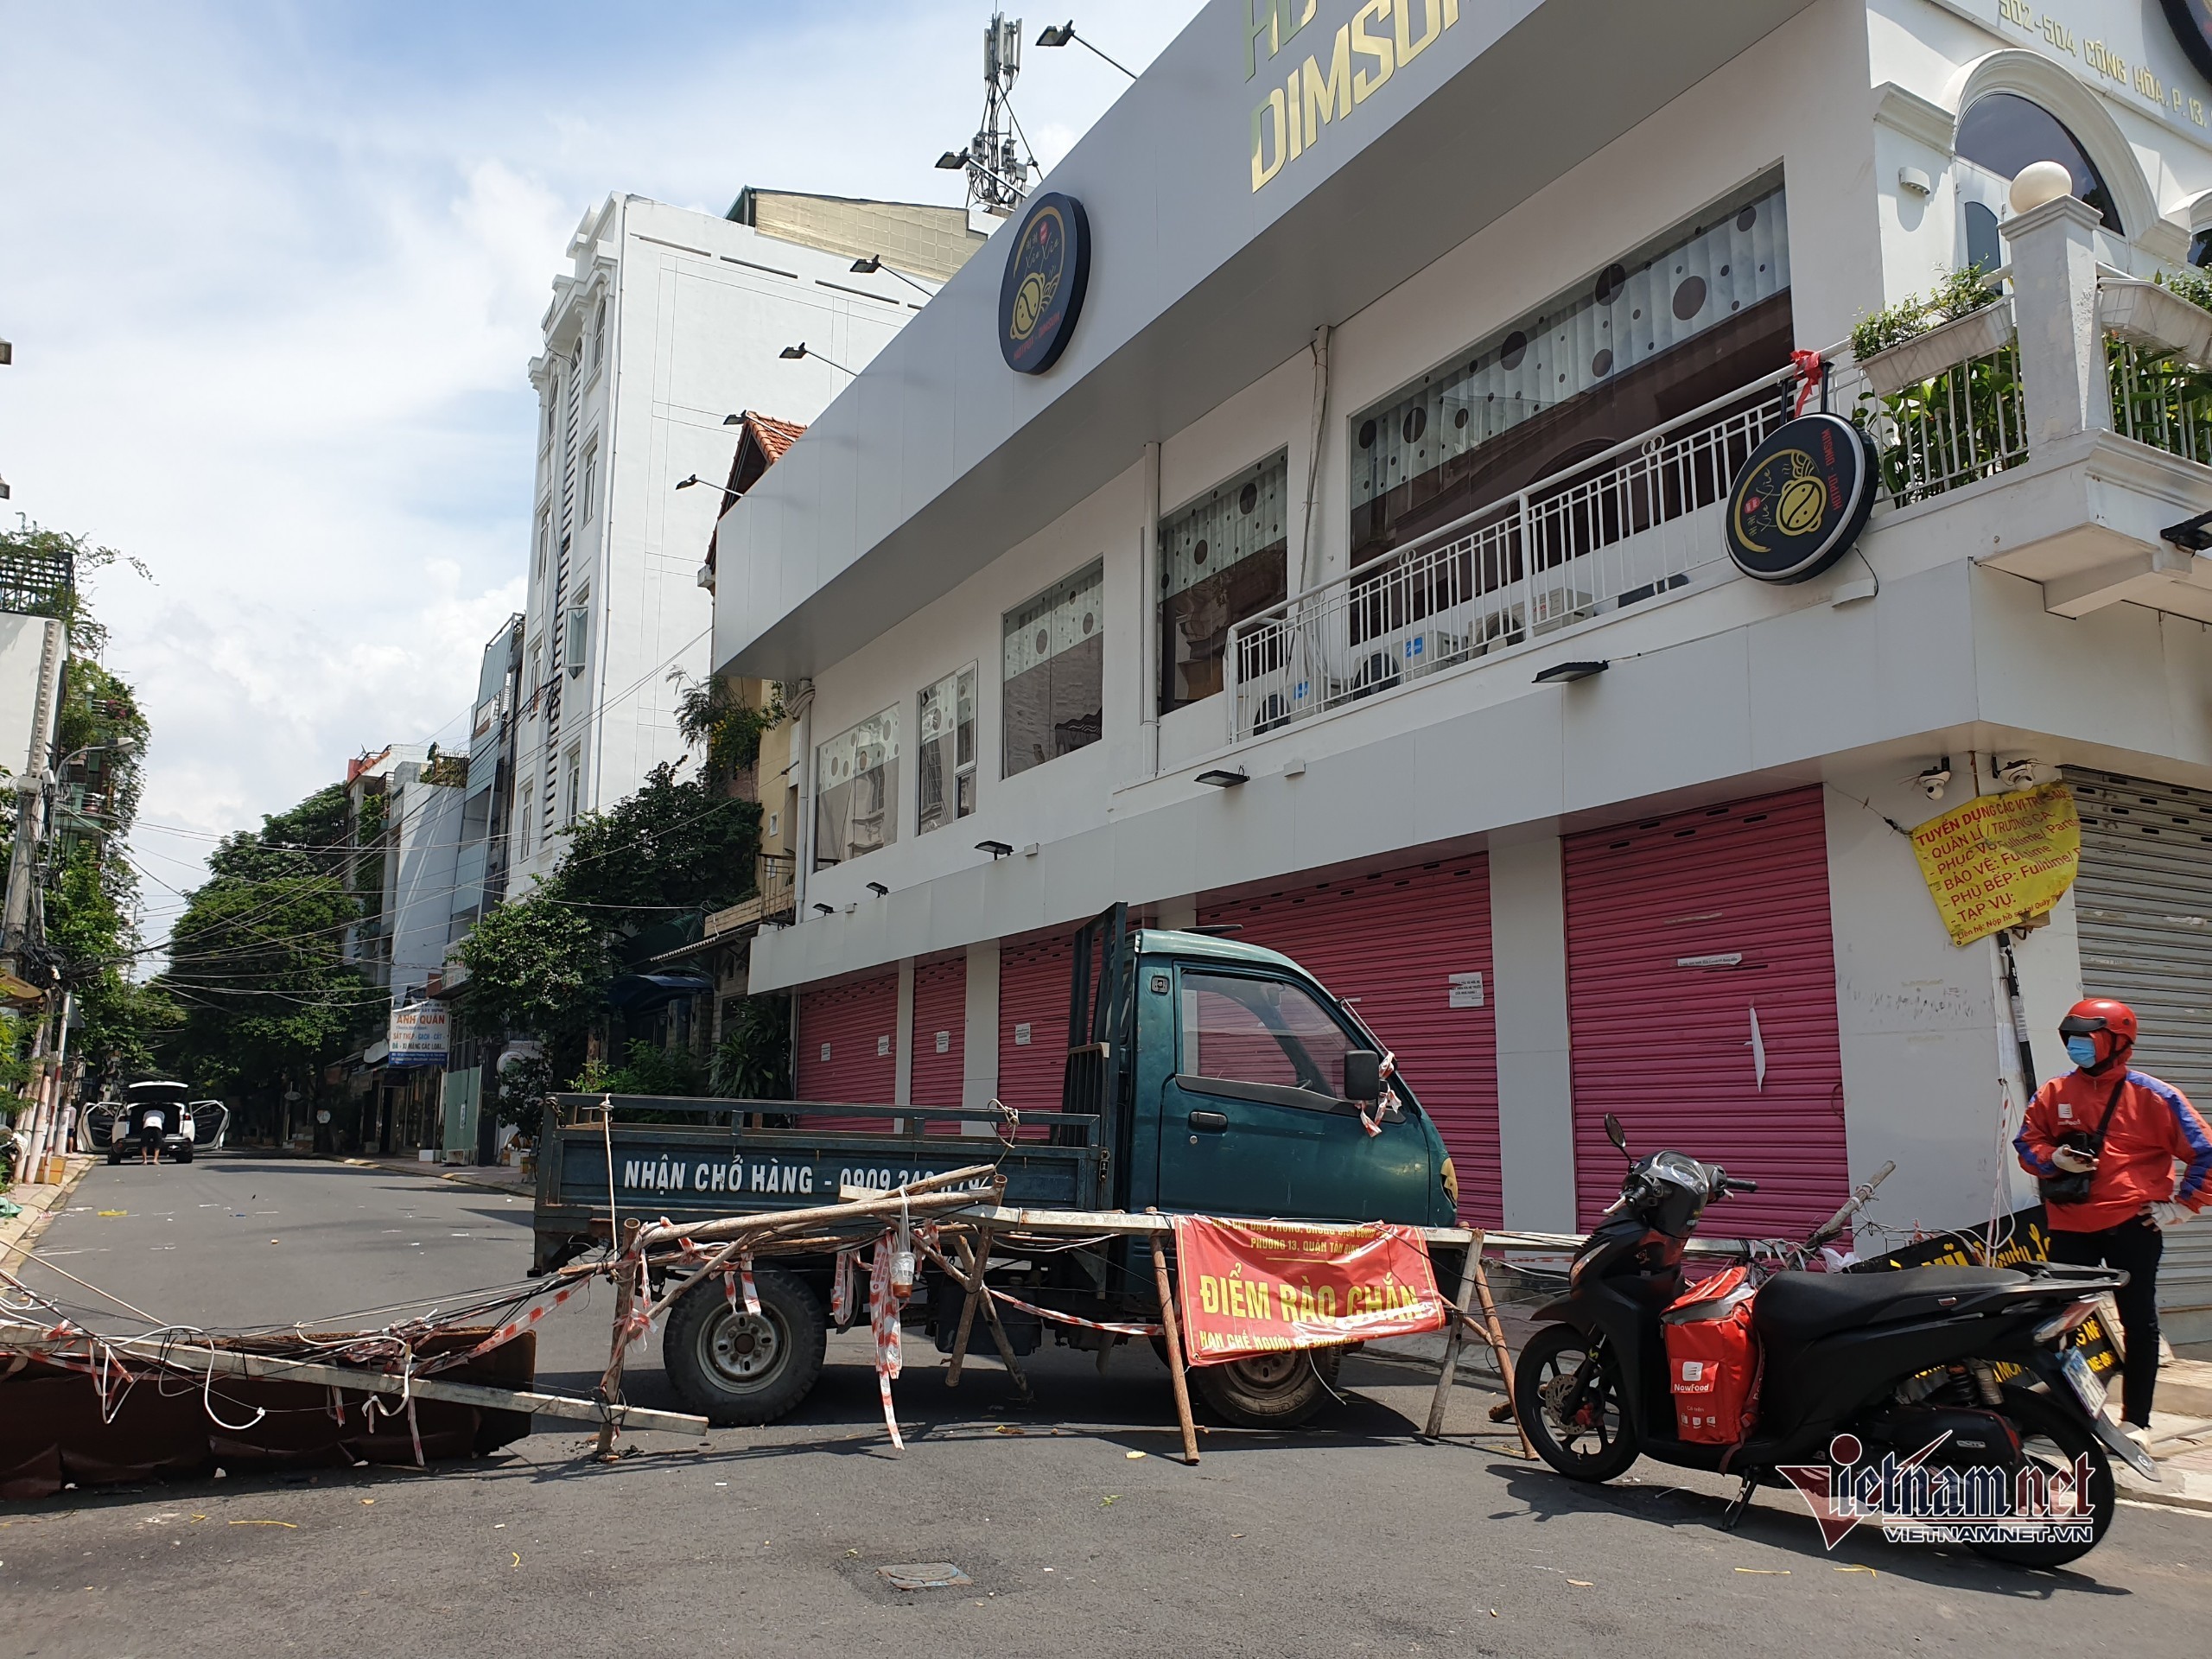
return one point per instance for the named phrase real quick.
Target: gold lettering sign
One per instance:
(1380, 38)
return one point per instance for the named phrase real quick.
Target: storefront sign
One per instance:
(418, 1034)
(1999, 859)
(1343, 71)
(1040, 296)
(1254, 1288)
(1801, 501)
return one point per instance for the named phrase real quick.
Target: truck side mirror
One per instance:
(1363, 1074)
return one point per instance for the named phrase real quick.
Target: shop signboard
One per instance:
(1041, 294)
(1801, 499)
(418, 1034)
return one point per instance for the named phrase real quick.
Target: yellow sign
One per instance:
(1999, 859)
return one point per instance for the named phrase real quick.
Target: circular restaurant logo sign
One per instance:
(1801, 501)
(2191, 22)
(1041, 294)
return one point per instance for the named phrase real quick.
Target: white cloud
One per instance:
(277, 276)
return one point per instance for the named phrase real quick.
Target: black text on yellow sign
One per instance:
(1381, 38)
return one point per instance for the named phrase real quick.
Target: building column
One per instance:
(979, 1043)
(1536, 1095)
(902, 1087)
(2053, 258)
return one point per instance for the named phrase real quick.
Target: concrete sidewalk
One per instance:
(39, 1204)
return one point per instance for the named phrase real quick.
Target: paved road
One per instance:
(1355, 1540)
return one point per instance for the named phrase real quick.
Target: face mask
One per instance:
(2083, 1051)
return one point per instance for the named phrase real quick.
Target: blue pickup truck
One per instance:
(1203, 1076)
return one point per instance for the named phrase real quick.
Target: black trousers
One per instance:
(2134, 1246)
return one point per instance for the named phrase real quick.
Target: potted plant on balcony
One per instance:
(1915, 340)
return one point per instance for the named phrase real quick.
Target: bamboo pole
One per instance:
(968, 1312)
(1445, 1377)
(978, 1266)
(929, 1203)
(626, 1290)
(1497, 1332)
(1174, 1354)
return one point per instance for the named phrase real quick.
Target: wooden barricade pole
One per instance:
(968, 1312)
(626, 1287)
(1174, 1352)
(1450, 1373)
(977, 1266)
(1497, 1342)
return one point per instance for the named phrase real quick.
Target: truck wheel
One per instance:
(736, 1368)
(1278, 1390)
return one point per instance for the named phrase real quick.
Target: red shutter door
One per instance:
(1390, 944)
(1699, 949)
(1033, 987)
(845, 1038)
(940, 1011)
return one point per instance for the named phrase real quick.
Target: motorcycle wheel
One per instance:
(1566, 1389)
(2054, 1437)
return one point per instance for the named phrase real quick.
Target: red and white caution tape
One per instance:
(1387, 1100)
(1119, 1328)
(840, 1289)
(740, 1274)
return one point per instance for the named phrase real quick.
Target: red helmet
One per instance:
(2109, 1023)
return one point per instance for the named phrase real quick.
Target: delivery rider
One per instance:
(2123, 1131)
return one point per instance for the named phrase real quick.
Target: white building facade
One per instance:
(1357, 577)
(668, 323)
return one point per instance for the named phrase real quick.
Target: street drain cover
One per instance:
(924, 1575)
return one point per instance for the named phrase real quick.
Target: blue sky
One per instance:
(273, 274)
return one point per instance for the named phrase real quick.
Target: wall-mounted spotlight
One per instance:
(792, 353)
(1221, 778)
(1567, 673)
(827, 910)
(878, 889)
(873, 263)
(995, 849)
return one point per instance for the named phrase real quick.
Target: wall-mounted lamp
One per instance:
(686, 483)
(792, 353)
(873, 263)
(878, 889)
(827, 910)
(1567, 673)
(995, 849)
(952, 161)
(1061, 34)
(1222, 779)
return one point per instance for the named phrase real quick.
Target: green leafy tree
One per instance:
(723, 726)
(257, 961)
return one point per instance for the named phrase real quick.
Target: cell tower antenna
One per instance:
(998, 170)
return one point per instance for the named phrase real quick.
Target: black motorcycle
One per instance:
(1963, 1370)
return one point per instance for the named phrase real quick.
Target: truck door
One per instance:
(1254, 1120)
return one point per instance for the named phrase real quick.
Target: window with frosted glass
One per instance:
(856, 791)
(944, 758)
(1692, 316)
(1222, 558)
(1054, 667)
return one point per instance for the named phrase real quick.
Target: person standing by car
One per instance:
(2102, 1141)
(151, 1123)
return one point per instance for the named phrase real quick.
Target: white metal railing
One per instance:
(1964, 423)
(1626, 524)
(2159, 398)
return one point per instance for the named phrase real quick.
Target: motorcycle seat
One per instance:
(1796, 1307)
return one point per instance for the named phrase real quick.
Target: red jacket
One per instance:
(2153, 1127)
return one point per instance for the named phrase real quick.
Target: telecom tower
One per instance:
(998, 173)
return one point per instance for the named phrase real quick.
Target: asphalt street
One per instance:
(1356, 1537)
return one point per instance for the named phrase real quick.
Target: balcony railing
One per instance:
(1952, 422)
(1621, 527)
(772, 876)
(2159, 398)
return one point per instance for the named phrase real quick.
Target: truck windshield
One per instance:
(1252, 1030)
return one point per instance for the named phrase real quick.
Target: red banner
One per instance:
(1254, 1286)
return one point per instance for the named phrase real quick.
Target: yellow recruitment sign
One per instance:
(1999, 859)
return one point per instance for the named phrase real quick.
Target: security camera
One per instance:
(1934, 781)
(2018, 774)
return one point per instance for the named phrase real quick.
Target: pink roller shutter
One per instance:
(940, 1005)
(1035, 981)
(1390, 944)
(846, 1035)
(1682, 933)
